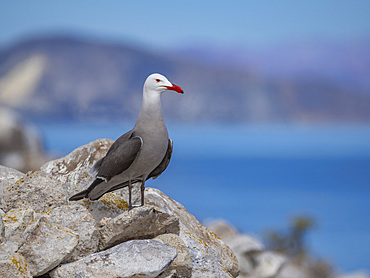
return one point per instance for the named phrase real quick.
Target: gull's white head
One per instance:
(159, 83)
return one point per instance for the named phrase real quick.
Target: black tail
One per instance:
(84, 194)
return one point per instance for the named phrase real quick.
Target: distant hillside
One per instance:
(69, 78)
(346, 63)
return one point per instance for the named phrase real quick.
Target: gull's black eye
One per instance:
(157, 80)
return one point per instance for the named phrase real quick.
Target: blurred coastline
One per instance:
(257, 144)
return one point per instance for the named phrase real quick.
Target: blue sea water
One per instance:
(259, 177)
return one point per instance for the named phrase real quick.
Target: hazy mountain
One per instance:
(71, 78)
(346, 64)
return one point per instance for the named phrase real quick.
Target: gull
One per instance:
(142, 153)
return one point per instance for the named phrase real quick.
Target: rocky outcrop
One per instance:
(254, 261)
(257, 262)
(43, 233)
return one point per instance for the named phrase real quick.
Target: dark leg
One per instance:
(129, 195)
(142, 192)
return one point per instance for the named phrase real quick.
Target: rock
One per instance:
(61, 178)
(47, 246)
(104, 221)
(9, 247)
(8, 176)
(253, 260)
(108, 206)
(243, 244)
(36, 190)
(135, 258)
(139, 223)
(14, 266)
(290, 270)
(210, 255)
(73, 170)
(222, 229)
(182, 265)
(245, 249)
(16, 221)
(79, 220)
(268, 264)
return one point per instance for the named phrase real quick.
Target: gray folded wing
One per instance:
(119, 157)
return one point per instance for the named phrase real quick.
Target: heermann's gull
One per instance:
(142, 153)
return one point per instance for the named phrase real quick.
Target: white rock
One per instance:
(16, 221)
(243, 244)
(268, 264)
(253, 260)
(36, 190)
(183, 264)
(210, 255)
(207, 249)
(135, 258)
(290, 270)
(73, 170)
(47, 246)
(14, 266)
(9, 247)
(79, 220)
(139, 223)
(222, 229)
(8, 176)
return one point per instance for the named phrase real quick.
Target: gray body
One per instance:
(142, 153)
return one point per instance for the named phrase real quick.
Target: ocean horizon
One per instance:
(259, 177)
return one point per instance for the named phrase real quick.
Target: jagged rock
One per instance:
(253, 260)
(78, 219)
(245, 249)
(290, 270)
(182, 265)
(268, 264)
(139, 223)
(73, 170)
(14, 266)
(47, 246)
(207, 250)
(8, 176)
(135, 258)
(16, 221)
(244, 244)
(211, 256)
(36, 190)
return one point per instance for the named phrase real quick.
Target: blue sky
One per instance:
(167, 24)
